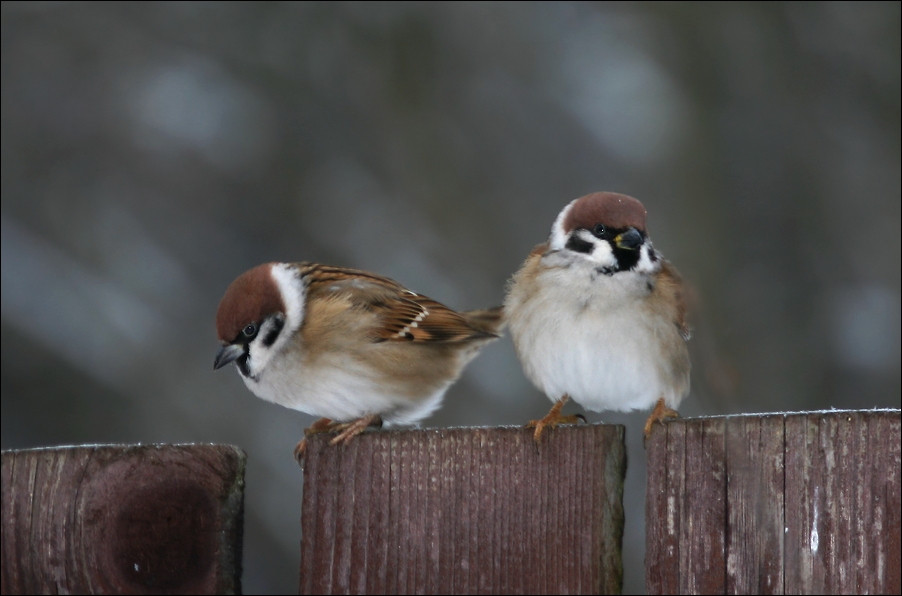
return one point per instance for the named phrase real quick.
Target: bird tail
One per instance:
(490, 321)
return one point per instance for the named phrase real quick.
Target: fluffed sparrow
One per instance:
(597, 315)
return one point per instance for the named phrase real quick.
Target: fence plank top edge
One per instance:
(125, 446)
(787, 414)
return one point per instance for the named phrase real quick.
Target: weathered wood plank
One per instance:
(887, 522)
(704, 511)
(754, 547)
(808, 504)
(664, 490)
(465, 511)
(122, 519)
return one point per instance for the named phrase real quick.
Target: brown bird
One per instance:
(597, 315)
(353, 347)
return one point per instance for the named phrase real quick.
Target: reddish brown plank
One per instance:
(704, 513)
(754, 505)
(465, 511)
(663, 507)
(123, 519)
(808, 504)
(803, 485)
(885, 454)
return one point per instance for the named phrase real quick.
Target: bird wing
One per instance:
(674, 285)
(402, 315)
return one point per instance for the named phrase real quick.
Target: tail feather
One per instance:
(488, 320)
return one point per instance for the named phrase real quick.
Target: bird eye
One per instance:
(599, 230)
(250, 330)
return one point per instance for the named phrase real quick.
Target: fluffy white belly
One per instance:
(602, 365)
(341, 393)
(602, 353)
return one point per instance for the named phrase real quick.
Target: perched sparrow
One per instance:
(597, 315)
(351, 346)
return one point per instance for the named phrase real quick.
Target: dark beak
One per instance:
(629, 240)
(227, 354)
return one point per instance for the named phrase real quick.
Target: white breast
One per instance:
(343, 391)
(586, 335)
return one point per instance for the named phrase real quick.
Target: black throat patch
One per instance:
(626, 259)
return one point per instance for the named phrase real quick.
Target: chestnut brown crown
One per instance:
(252, 297)
(614, 210)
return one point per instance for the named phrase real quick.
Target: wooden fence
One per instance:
(778, 504)
(465, 511)
(122, 520)
(801, 503)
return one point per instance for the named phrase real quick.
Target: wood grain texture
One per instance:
(775, 504)
(122, 520)
(479, 511)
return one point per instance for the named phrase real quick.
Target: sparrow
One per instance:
(352, 347)
(597, 315)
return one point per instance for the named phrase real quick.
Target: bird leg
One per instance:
(345, 430)
(323, 425)
(660, 412)
(352, 429)
(553, 418)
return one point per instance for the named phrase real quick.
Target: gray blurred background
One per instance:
(152, 152)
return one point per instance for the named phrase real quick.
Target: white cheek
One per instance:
(603, 255)
(292, 291)
(260, 354)
(291, 287)
(645, 264)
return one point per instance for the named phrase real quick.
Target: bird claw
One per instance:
(300, 450)
(346, 431)
(659, 414)
(323, 425)
(545, 422)
(553, 418)
(350, 430)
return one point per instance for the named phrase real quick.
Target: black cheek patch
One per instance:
(273, 333)
(241, 362)
(577, 244)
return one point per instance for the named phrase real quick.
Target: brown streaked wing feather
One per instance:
(403, 315)
(322, 277)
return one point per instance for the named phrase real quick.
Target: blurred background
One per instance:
(152, 152)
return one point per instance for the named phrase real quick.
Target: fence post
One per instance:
(775, 504)
(122, 519)
(455, 511)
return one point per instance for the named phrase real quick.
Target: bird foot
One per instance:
(299, 451)
(349, 430)
(345, 430)
(660, 412)
(553, 418)
(323, 425)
